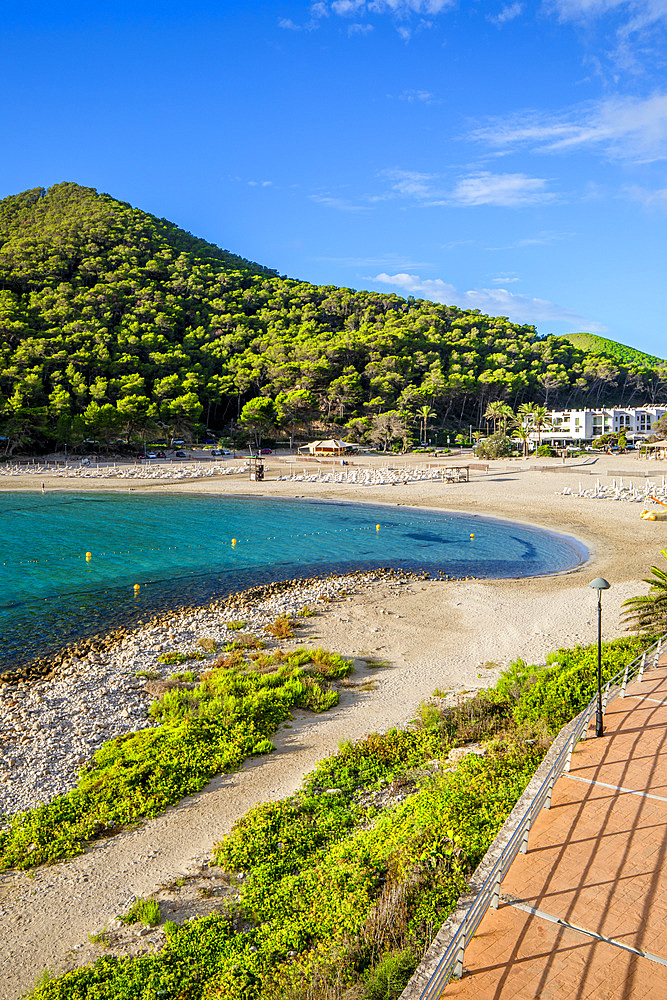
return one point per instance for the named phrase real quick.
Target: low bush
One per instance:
(143, 911)
(342, 886)
(203, 730)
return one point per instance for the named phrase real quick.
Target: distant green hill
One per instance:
(116, 324)
(593, 344)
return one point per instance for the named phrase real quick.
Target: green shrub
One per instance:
(144, 911)
(202, 731)
(559, 691)
(496, 446)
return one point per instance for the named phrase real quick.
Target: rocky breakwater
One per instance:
(51, 725)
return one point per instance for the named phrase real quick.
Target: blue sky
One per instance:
(507, 156)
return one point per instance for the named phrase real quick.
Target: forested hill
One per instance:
(593, 344)
(116, 324)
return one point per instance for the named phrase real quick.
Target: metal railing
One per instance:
(451, 963)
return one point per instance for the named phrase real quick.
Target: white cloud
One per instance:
(503, 190)
(492, 301)
(348, 8)
(625, 127)
(340, 204)
(509, 12)
(360, 29)
(649, 198)
(264, 184)
(418, 96)
(410, 183)
(405, 12)
(639, 13)
(505, 279)
(545, 238)
(381, 260)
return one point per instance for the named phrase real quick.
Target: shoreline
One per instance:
(43, 663)
(452, 635)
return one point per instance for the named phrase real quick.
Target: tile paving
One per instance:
(598, 860)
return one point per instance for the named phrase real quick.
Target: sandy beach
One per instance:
(451, 635)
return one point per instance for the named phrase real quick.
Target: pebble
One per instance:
(56, 713)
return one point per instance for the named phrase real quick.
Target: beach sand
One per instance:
(451, 635)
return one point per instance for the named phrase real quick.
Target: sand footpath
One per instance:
(453, 636)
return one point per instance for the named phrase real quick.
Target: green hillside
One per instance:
(117, 325)
(593, 344)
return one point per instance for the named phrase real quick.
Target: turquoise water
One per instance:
(179, 549)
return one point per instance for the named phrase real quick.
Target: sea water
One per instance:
(180, 550)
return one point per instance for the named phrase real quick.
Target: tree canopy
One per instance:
(114, 323)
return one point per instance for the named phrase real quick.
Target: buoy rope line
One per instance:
(199, 545)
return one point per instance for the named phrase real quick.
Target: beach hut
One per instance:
(330, 446)
(659, 448)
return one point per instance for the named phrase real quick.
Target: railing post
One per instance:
(460, 952)
(587, 722)
(495, 898)
(605, 698)
(642, 666)
(547, 801)
(625, 680)
(658, 650)
(524, 839)
(568, 761)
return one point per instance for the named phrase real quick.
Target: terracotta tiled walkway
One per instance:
(597, 860)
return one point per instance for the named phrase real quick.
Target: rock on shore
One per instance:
(51, 726)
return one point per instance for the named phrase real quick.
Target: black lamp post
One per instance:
(599, 584)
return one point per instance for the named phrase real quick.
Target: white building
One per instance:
(582, 426)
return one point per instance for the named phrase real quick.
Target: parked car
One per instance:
(266, 451)
(151, 454)
(181, 454)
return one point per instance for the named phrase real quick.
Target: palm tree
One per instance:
(524, 434)
(541, 421)
(507, 414)
(649, 613)
(494, 411)
(525, 413)
(425, 413)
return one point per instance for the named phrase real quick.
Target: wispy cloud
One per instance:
(624, 127)
(409, 184)
(505, 279)
(264, 184)
(637, 14)
(360, 29)
(651, 199)
(417, 97)
(381, 260)
(503, 190)
(633, 30)
(543, 239)
(409, 16)
(493, 301)
(340, 204)
(425, 190)
(508, 13)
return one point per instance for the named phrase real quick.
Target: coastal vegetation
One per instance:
(340, 888)
(594, 344)
(116, 326)
(204, 728)
(648, 612)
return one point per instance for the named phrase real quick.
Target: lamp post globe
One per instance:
(599, 584)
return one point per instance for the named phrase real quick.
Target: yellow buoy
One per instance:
(137, 588)
(472, 534)
(377, 527)
(89, 556)
(233, 542)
